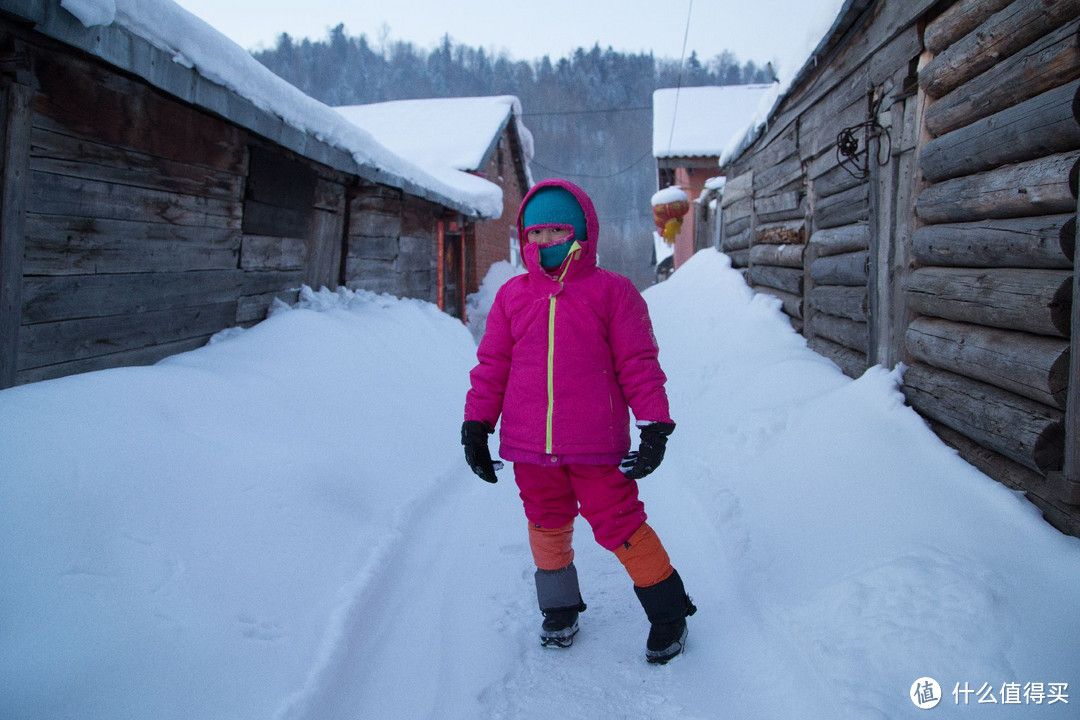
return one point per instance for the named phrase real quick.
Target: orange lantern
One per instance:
(669, 206)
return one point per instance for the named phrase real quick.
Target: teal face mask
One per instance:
(552, 256)
(555, 206)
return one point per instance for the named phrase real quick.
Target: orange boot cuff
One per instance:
(552, 549)
(644, 557)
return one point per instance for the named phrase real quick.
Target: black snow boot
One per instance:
(560, 602)
(560, 626)
(667, 606)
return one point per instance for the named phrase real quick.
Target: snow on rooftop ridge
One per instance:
(744, 135)
(442, 132)
(194, 43)
(91, 12)
(800, 59)
(697, 121)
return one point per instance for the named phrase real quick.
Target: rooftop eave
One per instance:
(670, 162)
(846, 19)
(486, 158)
(122, 49)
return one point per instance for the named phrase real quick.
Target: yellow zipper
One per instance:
(548, 431)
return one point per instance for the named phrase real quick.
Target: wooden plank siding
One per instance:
(15, 113)
(133, 220)
(950, 245)
(135, 224)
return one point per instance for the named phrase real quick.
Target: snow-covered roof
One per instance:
(209, 70)
(833, 20)
(699, 121)
(441, 134)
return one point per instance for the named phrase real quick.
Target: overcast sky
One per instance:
(778, 31)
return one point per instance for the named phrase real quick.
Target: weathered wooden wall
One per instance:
(737, 218)
(134, 226)
(391, 243)
(948, 245)
(991, 288)
(132, 223)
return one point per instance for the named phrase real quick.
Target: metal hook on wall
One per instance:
(856, 160)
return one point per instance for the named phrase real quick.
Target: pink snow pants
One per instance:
(607, 499)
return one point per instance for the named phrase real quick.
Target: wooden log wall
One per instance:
(778, 240)
(838, 264)
(838, 269)
(134, 226)
(737, 207)
(952, 248)
(991, 286)
(806, 195)
(777, 237)
(292, 230)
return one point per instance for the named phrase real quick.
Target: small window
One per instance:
(279, 200)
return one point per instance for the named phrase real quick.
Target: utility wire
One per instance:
(562, 173)
(587, 112)
(678, 86)
(671, 136)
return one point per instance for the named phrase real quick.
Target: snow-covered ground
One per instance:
(281, 525)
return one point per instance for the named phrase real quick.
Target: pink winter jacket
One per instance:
(565, 357)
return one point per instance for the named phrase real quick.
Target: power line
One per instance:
(562, 173)
(587, 112)
(682, 63)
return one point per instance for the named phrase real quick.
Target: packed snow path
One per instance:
(281, 525)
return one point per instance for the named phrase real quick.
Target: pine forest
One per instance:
(590, 113)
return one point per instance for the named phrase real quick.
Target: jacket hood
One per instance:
(530, 253)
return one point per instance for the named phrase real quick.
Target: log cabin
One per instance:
(912, 199)
(158, 185)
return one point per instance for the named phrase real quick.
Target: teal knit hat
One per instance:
(555, 206)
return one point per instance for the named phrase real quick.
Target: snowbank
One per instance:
(281, 525)
(189, 540)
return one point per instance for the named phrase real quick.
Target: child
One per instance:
(567, 354)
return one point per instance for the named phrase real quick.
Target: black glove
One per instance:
(474, 436)
(650, 452)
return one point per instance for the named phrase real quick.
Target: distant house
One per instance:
(159, 185)
(483, 136)
(691, 127)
